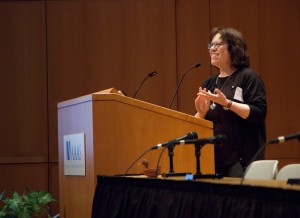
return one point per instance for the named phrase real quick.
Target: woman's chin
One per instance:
(214, 63)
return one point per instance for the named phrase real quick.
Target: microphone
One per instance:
(190, 135)
(282, 139)
(177, 89)
(218, 140)
(148, 76)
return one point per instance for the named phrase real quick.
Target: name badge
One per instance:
(238, 95)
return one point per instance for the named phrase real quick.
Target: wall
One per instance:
(51, 51)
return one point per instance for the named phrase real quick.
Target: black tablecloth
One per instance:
(117, 197)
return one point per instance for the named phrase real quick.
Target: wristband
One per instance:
(227, 107)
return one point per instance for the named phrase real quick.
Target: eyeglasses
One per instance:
(215, 44)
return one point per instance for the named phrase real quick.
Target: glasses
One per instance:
(215, 44)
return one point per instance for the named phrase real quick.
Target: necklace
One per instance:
(213, 105)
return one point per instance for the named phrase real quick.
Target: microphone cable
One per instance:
(252, 160)
(132, 164)
(158, 160)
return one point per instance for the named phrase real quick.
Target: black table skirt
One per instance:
(117, 197)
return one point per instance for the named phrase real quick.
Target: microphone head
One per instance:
(220, 139)
(197, 65)
(152, 73)
(190, 135)
(149, 75)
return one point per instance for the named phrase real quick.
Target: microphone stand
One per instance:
(171, 154)
(171, 171)
(198, 143)
(197, 154)
(148, 76)
(177, 89)
(198, 174)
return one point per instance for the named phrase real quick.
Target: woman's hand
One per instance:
(202, 103)
(241, 109)
(218, 97)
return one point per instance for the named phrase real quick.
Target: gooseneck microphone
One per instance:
(176, 91)
(148, 76)
(190, 135)
(282, 139)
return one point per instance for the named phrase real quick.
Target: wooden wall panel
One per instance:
(96, 45)
(23, 90)
(192, 37)
(279, 54)
(23, 96)
(16, 177)
(54, 187)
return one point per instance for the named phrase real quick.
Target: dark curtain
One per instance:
(117, 197)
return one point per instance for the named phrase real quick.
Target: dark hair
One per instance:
(236, 46)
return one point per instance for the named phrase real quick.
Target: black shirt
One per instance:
(244, 136)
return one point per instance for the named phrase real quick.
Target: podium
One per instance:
(117, 130)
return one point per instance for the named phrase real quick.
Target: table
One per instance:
(144, 197)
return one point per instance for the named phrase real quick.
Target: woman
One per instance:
(235, 101)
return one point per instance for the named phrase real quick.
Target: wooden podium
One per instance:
(117, 130)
